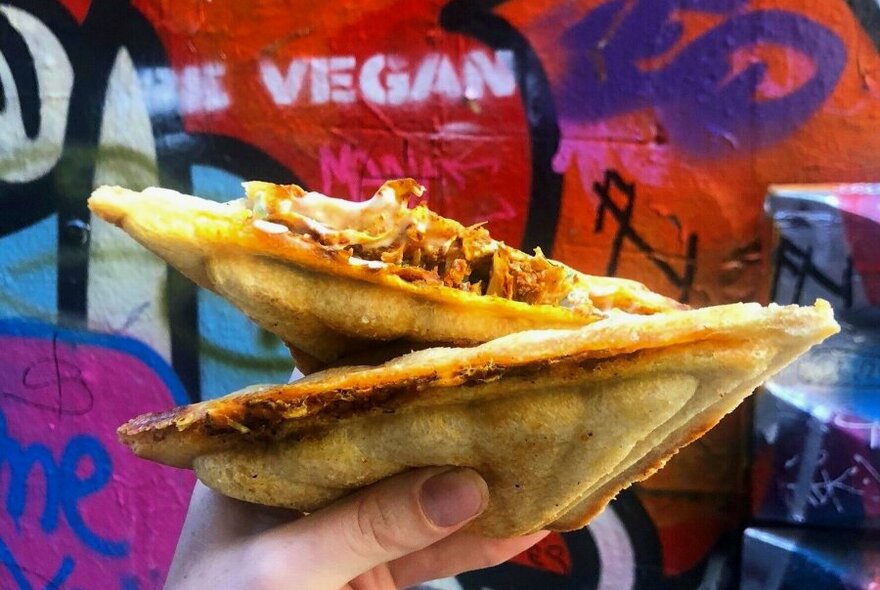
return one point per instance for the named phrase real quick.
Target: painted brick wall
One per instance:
(628, 137)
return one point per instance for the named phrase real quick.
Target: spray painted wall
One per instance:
(628, 137)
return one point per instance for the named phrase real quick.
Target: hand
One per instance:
(394, 534)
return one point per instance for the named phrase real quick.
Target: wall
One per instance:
(628, 137)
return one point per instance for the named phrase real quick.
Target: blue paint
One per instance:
(64, 488)
(21, 462)
(12, 567)
(15, 570)
(705, 114)
(133, 348)
(229, 338)
(64, 571)
(74, 489)
(216, 184)
(28, 275)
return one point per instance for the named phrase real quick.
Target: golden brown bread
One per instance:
(557, 421)
(326, 303)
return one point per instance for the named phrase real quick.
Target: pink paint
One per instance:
(360, 172)
(787, 69)
(104, 520)
(861, 202)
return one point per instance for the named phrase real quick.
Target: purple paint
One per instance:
(78, 510)
(708, 109)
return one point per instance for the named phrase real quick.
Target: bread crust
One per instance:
(557, 421)
(318, 302)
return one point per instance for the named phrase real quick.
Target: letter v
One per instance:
(284, 89)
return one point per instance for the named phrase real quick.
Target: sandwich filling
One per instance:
(417, 245)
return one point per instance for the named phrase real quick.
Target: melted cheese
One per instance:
(382, 222)
(377, 222)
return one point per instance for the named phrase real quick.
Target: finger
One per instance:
(462, 552)
(380, 524)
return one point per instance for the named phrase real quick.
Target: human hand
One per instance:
(394, 534)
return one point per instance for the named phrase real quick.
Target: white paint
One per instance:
(823, 487)
(370, 84)
(159, 85)
(320, 80)
(459, 128)
(441, 584)
(436, 75)
(190, 90)
(480, 71)
(23, 159)
(871, 427)
(126, 282)
(617, 562)
(341, 79)
(384, 79)
(201, 88)
(389, 79)
(284, 89)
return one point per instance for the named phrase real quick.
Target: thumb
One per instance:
(388, 520)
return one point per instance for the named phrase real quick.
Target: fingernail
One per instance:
(454, 496)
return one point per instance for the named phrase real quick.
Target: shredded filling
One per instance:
(414, 243)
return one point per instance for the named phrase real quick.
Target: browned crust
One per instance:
(271, 412)
(546, 422)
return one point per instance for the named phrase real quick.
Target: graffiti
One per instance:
(69, 483)
(477, 20)
(551, 554)
(64, 488)
(54, 375)
(855, 425)
(623, 216)
(619, 550)
(712, 93)
(663, 116)
(791, 258)
(19, 575)
(105, 139)
(858, 479)
(76, 121)
(200, 88)
(385, 79)
(868, 13)
(355, 172)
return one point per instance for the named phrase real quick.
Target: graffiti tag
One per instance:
(388, 79)
(709, 92)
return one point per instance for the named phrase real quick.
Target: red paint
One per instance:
(78, 8)
(685, 545)
(551, 554)
(457, 147)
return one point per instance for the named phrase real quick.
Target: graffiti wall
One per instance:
(626, 137)
(76, 511)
